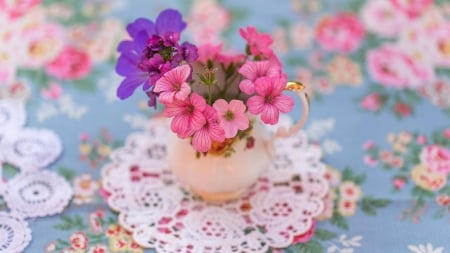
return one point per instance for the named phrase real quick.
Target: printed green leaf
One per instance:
(419, 192)
(312, 246)
(324, 235)
(369, 205)
(339, 221)
(71, 223)
(67, 173)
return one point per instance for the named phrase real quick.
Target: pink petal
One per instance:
(230, 128)
(237, 106)
(198, 101)
(184, 92)
(270, 114)
(247, 86)
(180, 126)
(279, 84)
(174, 109)
(283, 103)
(249, 70)
(166, 97)
(255, 104)
(221, 106)
(197, 120)
(216, 132)
(264, 85)
(201, 140)
(241, 121)
(162, 84)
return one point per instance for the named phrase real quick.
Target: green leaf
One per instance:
(85, 85)
(347, 174)
(339, 221)
(439, 213)
(71, 223)
(419, 192)
(359, 179)
(67, 173)
(9, 170)
(324, 235)
(312, 246)
(370, 204)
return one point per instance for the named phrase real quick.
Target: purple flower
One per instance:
(153, 50)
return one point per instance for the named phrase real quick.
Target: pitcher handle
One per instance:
(300, 89)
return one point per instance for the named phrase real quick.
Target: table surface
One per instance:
(380, 107)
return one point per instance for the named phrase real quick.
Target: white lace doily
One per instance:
(37, 194)
(164, 216)
(14, 234)
(33, 192)
(30, 148)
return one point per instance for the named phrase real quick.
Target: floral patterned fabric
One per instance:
(379, 78)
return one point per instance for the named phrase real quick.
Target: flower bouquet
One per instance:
(217, 101)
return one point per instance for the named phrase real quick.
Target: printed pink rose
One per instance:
(207, 20)
(383, 18)
(372, 102)
(412, 8)
(402, 109)
(440, 45)
(41, 45)
(342, 33)
(305, 237)
(78, 240)
(399, 183)
(436, 158)
(17, 8)
(392, 67)
(71, 64)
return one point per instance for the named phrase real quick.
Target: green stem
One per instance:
(209, 94)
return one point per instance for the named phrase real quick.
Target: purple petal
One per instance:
(127, 65)
(169, 21)
(128, 85)
(139, 25)
(190, 53)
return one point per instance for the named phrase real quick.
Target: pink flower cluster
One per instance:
(421, 36)
(436, 158)
(206, 119)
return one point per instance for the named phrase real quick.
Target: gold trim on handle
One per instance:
(297, 87)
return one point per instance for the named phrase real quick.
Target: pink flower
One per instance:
(383, 18)
(53, 92)
(399, 183)
(254, 70)
(17, 8)
(342, 33)
(372, 102)
(207, 20)
(172, 85)
(95, 220)
(41, 44)
(78, 240)
(208, 52)
(392, 67)
(412, 8)
(440, 44)
(231, 116)
(303, 238)
(421, 139)
(370, 161)
(258, 43)
(446, 133)
(71, 64)
(368, 145)
(402, 109)
(270, 101)
(436, 158)
(188, 115)
(98, 249)
(210, 131)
